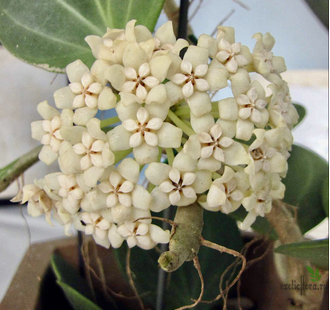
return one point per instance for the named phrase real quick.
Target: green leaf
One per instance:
(301, 112)
(146, 12)
(50, 33)
(184, 283)
(310, 270)
(304, 182)
(316, 275)
(325, 196)
(73, 285)
(321, 10)
(315, 251)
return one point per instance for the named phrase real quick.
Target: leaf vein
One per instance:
(129, 10)
(18, 23)
(82, 18)
(101, 11)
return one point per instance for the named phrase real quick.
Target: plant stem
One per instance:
(215, 175)
(120, 155)
(170, 156)
(172, 12)
(177, 121)
(186, 237)
(12, 171)
(183, 19)
(110, 121)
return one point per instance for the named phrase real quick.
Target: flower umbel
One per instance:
(220, 155)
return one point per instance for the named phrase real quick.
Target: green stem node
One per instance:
(186, 237)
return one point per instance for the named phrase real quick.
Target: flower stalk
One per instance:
(178, 122)
(110, 121)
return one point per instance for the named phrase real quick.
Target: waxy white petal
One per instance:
(189, 192)
(125, 199)
(175, 175)
(188, 178)
(136, 139)
(166, 187)
(144, 70)
(186, 66)
(112, 200)
(128, 87)
(202, 85)
(151, 81)
(179, 78)
(76, 87)
(188, 89)
(130, 73)
(141, 92)
(150, 138)
(130, 125)
(174, 197)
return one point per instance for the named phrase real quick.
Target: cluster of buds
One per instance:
(220, 154)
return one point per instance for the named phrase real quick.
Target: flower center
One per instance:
(257, 154)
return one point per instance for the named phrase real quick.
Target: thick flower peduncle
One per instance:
(186, 237)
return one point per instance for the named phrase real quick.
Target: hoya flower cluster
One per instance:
(222, 154)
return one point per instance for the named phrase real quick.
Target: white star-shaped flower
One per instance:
(139, 82)
(118, 190)
(229, 55)
(224, 193)
(250, 106)
(264, 61)
(265, 157)
(281, 110)
(71, 192)
(145, 236)
(122, 189)
(38, 201)
(143, 129)
(144, 133)
(179, 185)
(213, 147)
(95, 152)
(213, 142)
(191, 79)
(86, 91)
(95, 224)
(47, 132)
(52, 136)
